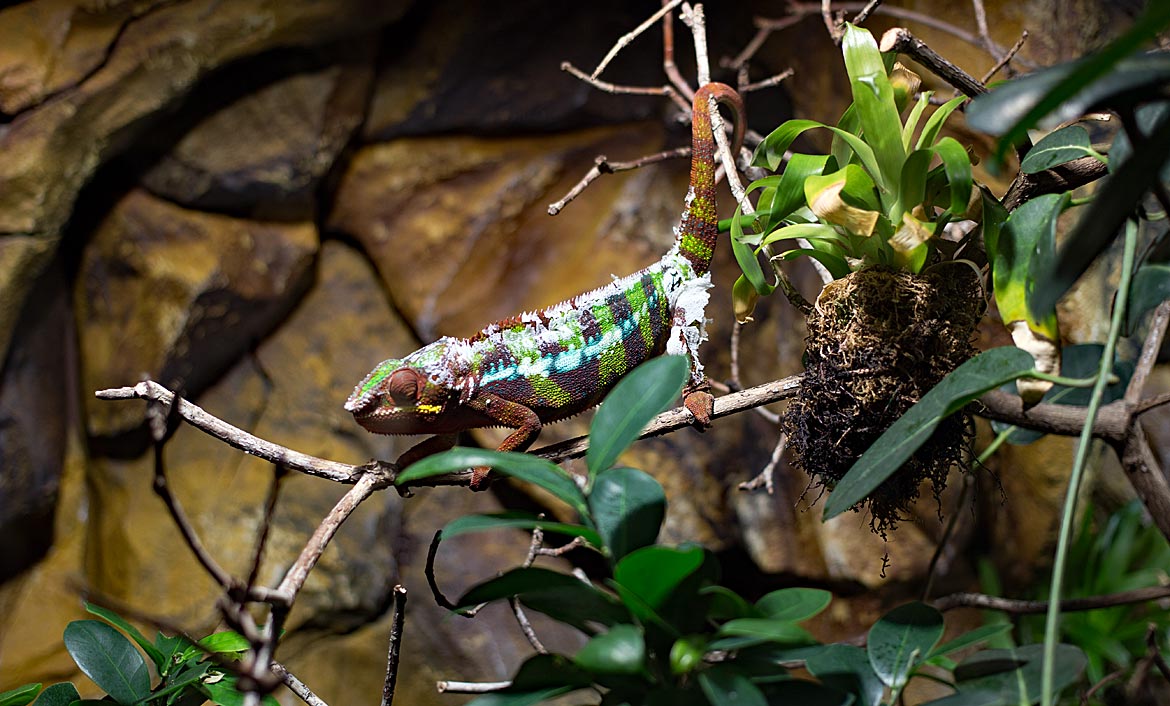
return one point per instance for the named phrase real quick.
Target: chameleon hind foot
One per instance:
(701, 404)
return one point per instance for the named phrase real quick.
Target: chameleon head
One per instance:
(397, 398)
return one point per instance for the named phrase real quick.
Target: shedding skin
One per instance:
(544, 366)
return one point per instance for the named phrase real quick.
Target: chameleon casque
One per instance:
(551, 364)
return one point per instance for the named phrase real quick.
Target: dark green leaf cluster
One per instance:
(184, 673)
(661, 629)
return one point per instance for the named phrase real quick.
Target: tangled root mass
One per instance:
(878, 340)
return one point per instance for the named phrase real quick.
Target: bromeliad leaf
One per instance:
(982, 373)
(108, 658)
(646, 391)
(523, 467)
(873, 98)
(1063, 145)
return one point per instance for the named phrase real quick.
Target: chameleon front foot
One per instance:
(480, 478)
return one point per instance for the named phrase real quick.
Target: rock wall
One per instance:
(254, 202)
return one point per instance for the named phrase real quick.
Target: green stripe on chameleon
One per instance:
(612, 363)
(378, 376)
(641, 308)
(549, 392)
(692, 244)
(703, 209)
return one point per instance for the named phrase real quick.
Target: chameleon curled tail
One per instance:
(550, 364)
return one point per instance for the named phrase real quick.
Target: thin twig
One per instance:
(471, 687)
(1149, 355)
(625, 39)
(240, 439)
(1006, 59)
(429, 571)
(602, 165)
(521, 618)
(981, 25)
(278, 473)
(395, 645)
(1155, 652)
(1021, 607)
(900, 39)
(968, 481)
(296, 686)
(765, 477)
(295, 578)
(1111, 677)
(768, 82)
(863, 15)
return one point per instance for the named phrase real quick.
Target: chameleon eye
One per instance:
(405, 386)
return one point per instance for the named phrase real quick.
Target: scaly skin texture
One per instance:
(547, 365)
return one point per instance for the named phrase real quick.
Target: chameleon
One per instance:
(548, 365)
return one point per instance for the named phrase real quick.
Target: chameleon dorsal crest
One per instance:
(548, 365)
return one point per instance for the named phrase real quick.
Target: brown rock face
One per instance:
(179, 295)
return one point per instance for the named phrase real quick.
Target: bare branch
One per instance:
(900, 39)
(1050, 181)
(1020, 607)
(1149, 355)
(863, 15)
(395, 645)
(1006, 59)
(768, 82)
(625, 39)
(602, 165)
(296, 685)
(255, 446)
(471, 687)
(765, 477)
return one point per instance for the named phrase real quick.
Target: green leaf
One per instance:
(528, 698)
(771, 150)
(1063, 145)
(1098, 226)
(619, 651)
(523, 467)
(847, 668)
(517, 520)
(972, 637)
(1067, 91)
(912, 189)
(108, 658)
(983, 373)
(226, 692)
(653, 573)
(912, 119)
(727, 604)
(801, 692)
(60, 694)
(874, 98)
(726, 687)
(745, 257)
(902, 639)
(118, 621)
(790, 191)
(544, 671)
(837, 266)
(957, 166)
(560, 596)
(1150, 287)
(647, 390)
(225, 642)
(934, 124)
(809, 231)
(794, 604)
(1010, 677)
(784, 632)
(628, 507)
(21, 695)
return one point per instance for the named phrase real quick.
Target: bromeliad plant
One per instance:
(901, 310)
(661, 629)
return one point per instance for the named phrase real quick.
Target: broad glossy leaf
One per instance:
(560, 596)
(1024, 252)
(60, 694)
(794, 604)
(653, 573)
(801, 692)
(628, 507)
(847, 668)
(108, 658)
(727, 604)
(543, 671)
(619, 651)
(1098, 225)
(874, 99)
(527, 698)
(784, 632)
(641, 395)
(118, 621)
(21, 695)
(1063, 145)
(225, 642)
(902, 639)
(226, 692)
(1064, 92)
(517, 520)
(1010, 677)
(983, 373)
(1150, 287)
(725, 686)
(527, 468)
(972, 637)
